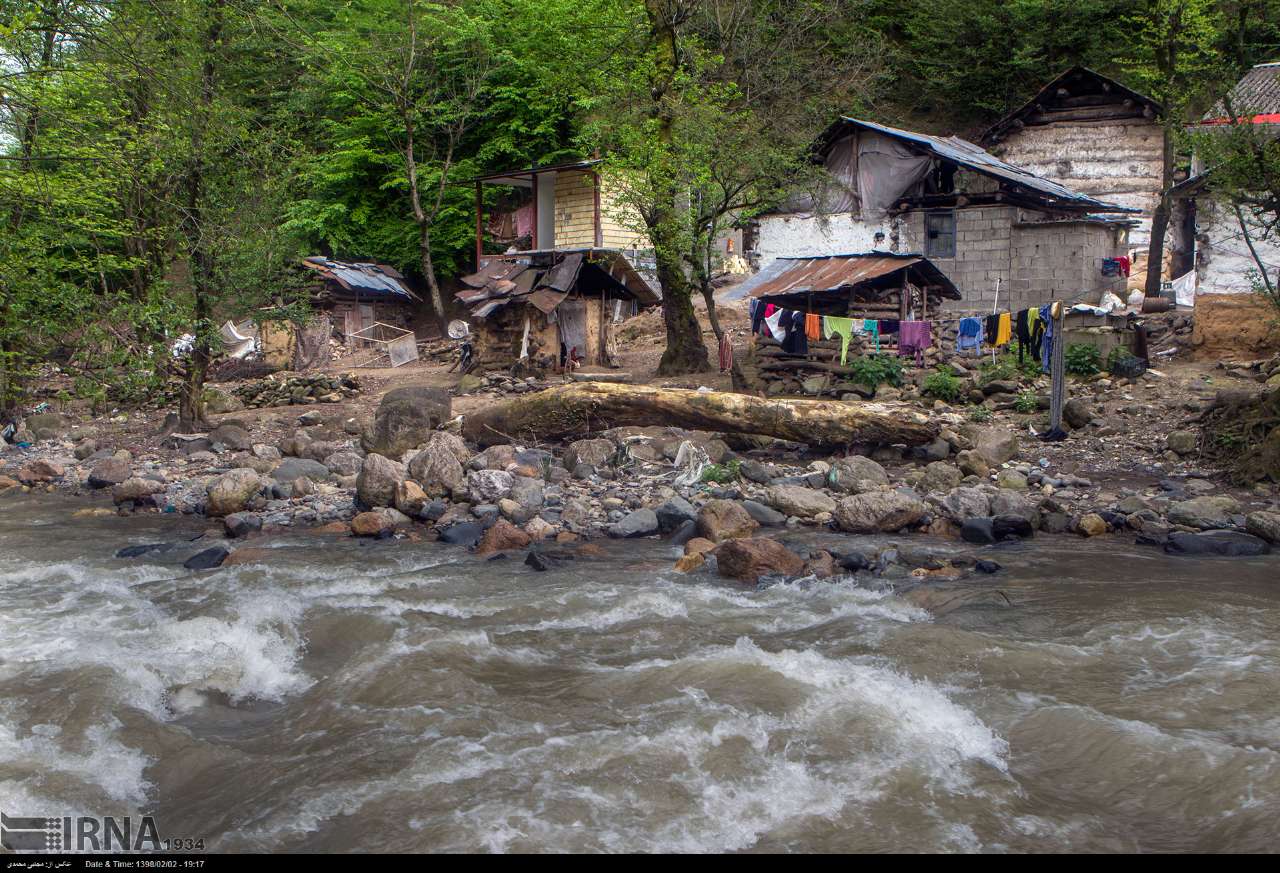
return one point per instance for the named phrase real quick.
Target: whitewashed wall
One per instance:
(1223, 262)
(796, 236)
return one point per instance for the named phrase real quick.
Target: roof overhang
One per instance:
(523, 178)
(840, 274)
(546, 276)
(1065, 80)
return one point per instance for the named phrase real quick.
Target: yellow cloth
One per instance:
(1004, 329)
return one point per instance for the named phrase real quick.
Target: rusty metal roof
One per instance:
(830, 273)
(508, 278)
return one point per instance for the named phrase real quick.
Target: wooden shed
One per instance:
(358, 296)
(544, 308)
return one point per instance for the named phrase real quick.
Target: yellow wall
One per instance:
(575, 215)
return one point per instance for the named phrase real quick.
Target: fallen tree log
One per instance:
(576, 410)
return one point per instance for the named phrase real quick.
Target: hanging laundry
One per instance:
(797, 342)
(1037, 333)
(913, 338)
(1046, 343)
(726, 354)
(773, 321)
(969, 335)
(1004, 329)
(991, 328)
(888, 325)
(872, 326)
(756, 310)
(813, 326)
(1125, 266)
(841, 327)
(1024, 332)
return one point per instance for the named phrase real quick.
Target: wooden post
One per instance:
(535, 212)
(904, 298)
(599, 230)
(479, 225)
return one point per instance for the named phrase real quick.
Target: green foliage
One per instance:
(943, 384)
(722, 474)
(876, 370)
(1027, 401)
(1082, 359)
(981, 414)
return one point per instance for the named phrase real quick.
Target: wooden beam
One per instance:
(536, 211)
(479, 225)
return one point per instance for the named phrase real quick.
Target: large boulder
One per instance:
(376, 484)
(343, 463)
(1264, 524)
(995, 445)
(721, 520)
(640, 523)
(40, 471)
(593, 453)
(503, 536)
(965, 502)
(406, 418)
(798, 501)
(230, 492)
(292, 469)
(749, 558)
(1205, 513)
(674, 513)
(488, 486)
(231, 436)
(110, 472)
(878, 511)
(47, 425)
(940, 477)
(374, 523)
(1078, 412)
(1227, 543)
(527, 492)
(135, 489)
(856, 474)
(437, 468)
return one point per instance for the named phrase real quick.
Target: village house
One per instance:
(1003, 235)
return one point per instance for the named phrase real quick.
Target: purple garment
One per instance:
(913, 338)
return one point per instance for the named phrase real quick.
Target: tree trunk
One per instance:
(579, 409)
(1160, 223)
(685, 352)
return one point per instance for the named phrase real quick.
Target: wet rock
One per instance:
(40, 471)
(1014, 503)
(1011, 527)
(139, 551)
(748, 559)
(878, 511)
(1227, 543)
(940, 477)
(343, 463)
(593, 453)
(208, 559)
(410, 498)
(690, 563)
(673, 513)
(542, 561)
(685, 532)
(1091, 525)
(240, 524)
(698, 545)
(965, 502)
(987, 566)
(640, 523)
(405, 419)
(1205, 513)
(856, 474)
(231, 436)
(1183, 442)
(755, 471)
(462, 533)
(376, 484)
(820, 564)
(1264, 524)
(721, 520)
(109, 472)
(798, 501)
(437, 469)
(854, 561)
(767, 516)
(488, 486)
(292, 469)
(539, 529)
(503, 536)
(374, 523)
(136, 489)
(980, 531)
(230, 492)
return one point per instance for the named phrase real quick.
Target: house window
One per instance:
(940, 234)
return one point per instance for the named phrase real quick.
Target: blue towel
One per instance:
(969, 336)
(1046, 345)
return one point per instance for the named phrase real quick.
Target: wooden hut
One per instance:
(543, 308)
(359, 296)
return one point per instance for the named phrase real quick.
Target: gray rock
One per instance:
(377, 482)
(230, 492)
(1226, 543)
(878, 511)
(798, 501)
(488, 486)
(965, 502)
(1077, 412)
(640, 523)
(136, 489)
(1205, 513)
(241, 524)
(755, 471)
(1264, 524)
(1184, 442)
(208, 559)
(593, 453)
(109, 472)
(674, 513)
(406, 418)
(856, 474)
(436, 468)
(231, 436)
(344, 463)
(766, 516)
(940, 477)
(529, 493)
(980, 531)
(291, 469)
(994, 444)
(1011, 526)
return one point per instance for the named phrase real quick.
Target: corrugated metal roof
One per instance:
(966, 154)
(1256, 96)
(504, 278)
(369, 280)
(829, 273)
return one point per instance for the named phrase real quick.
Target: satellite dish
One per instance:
(459, 329)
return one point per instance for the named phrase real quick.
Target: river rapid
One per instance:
(395, 696)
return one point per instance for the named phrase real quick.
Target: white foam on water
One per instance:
(108, 764)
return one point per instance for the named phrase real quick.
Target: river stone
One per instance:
(1007, 526)
(1091, 525)
(758, 472)
(1205, 513)
(798, 501)
(292, 469)
(1264, 524)
(721, 520)
(971, 463)
(995, 445)
(437, 469)
(767, 516)
(135, 489)
(502, 537)
(593, 453)
(376, 484)
(40, 470)
(411, 499)
(231, 436)
(462, 533)
(343, 463)
(528, 493)
(1184, 442)
(640, 523)
(241, 524)
(966, 502)
(47, 425)
(406, 418)
(674, 513)
(1077, 412)
(498, 457)
(1228, 543)
(488, 486)
(208, 559)
(940, 477)
(85, 448)
(109, 472)
(230, 492)
(980, 531)
(856, 474)
(1013, 503)
(374, 523)
(747, 559)
(878, 511)
(1011, 480)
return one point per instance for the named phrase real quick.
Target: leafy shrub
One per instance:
(722, 474)
(1006, 368)
(1082, 360)
(875, 370)
(1027, 401)
(980, 414)
(943, 384)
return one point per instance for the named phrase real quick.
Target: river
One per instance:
(403, 696)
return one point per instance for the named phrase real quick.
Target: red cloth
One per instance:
(726, 354)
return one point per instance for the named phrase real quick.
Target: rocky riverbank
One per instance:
(726, 500)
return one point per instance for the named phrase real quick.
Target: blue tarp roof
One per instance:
(968, 155)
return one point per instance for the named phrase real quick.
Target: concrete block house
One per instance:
(1004, 236)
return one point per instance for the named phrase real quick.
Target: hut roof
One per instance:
(829, 274)
(544, 278)
(1085, 86)
(363, 281)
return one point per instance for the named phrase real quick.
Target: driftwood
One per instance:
(577, 410)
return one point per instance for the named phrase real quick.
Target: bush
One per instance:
(1082, 360)
(875, 370)
(722, 474)
(1027, 402)
(943, 384)
(980, 414)
(1006, 368)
